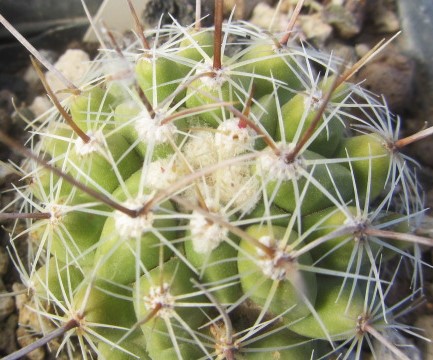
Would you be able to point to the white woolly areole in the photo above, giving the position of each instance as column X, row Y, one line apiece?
column 205, row 235
column 129, row 227
column 200, row 150
column 276, row 166
column 360, row 224
column 271, row 267
column 217, row 80
column 314, row 101
column 56, row 212
column 159, row 296
column 237, row 185
column 94, row 145
column 161, row 174
column 231, row 139
column 149, row 129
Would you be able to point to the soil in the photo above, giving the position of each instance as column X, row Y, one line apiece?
column 363, row 23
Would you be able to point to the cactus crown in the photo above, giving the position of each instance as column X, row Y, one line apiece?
column 197, row 202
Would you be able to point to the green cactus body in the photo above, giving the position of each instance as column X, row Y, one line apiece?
column 91, row 109
column 64, row 235
column 278, row 216
column 205, row 90
column 265, row 111
column 259, row 274
column 101, row 307
column 215, row 267
column 50, row 279
column 158, row 77
column 92, row 163
column 157, row 292
column 298, row 114
column 338, row 252
column 130, row 349
column 330, row 302
column 287, row 346
column 287, row 184
column 373, row 163
column 125, row 241
column 195, row 48
column 264, row 62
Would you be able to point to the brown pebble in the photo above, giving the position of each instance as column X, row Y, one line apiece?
column 4, row 261
column 7, row 335
column 391, row 74
column 346, row 18
column 7, row 306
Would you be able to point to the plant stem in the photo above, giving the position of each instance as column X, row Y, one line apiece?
column 138, row 26
column 218, row 20
column 71, row 324
column 55, row 100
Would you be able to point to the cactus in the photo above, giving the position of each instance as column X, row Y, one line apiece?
column 200, row 204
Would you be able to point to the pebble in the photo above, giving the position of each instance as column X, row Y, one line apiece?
column 40, row 105
column 7, row 333
column 29, row 319
column 7, row 305
column 4, row 261
column 390, row 74
column 385, row 20
column 262, row 15
column 243, row 8
column 73, row 64
column 346, row 17
column 315, row 28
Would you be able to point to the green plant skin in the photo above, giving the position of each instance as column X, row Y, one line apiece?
column 47, row 182
column 135, row 344
column 295, row 113
column 188, row 48
column 276, row 67
column 98, row 169
column 314, row 200
column 339, row 319
column 123, row 113
column 71, row 238
column 106, row 304
column 119, row 266
column 339, row 259
column 301, row 349
column 199, row 94
column 215, row 271
column 58, row 279
column 365, row 146
column 286, row 295
column 260, row 213
column 92, row 109
column 58, row 142
column 158, row 342
column 167, row 79
column 267, row 114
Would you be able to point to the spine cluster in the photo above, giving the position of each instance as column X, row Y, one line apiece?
column 219, row 193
